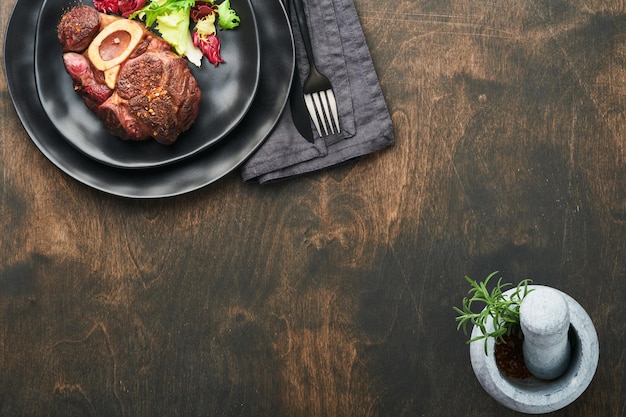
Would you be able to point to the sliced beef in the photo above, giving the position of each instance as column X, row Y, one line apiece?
column 87, row 82
column 154, row 96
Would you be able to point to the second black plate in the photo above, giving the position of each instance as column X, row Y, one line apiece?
column 227, row 93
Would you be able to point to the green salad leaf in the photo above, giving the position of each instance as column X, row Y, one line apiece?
column 157, row 8
column 174, row 28
column 228, row 18
column 171, row 19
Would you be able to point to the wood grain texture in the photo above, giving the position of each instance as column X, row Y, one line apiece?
column 331, row 294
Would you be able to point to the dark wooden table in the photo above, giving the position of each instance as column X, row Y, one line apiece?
column 331, row 294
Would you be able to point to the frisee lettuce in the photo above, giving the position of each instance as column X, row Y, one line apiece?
column 228, row 18
column 174, row 28
column 156, row 8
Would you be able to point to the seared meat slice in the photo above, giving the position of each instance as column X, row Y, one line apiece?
column 78, row 28
column 88, row 84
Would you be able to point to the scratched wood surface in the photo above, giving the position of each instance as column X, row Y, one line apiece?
column 332, row 294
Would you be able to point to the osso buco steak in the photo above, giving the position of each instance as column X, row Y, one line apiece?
column 128, row 76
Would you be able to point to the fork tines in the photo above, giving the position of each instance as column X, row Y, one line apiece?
column 323, row 110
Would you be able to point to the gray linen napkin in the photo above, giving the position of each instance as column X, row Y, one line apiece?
column 341, row 54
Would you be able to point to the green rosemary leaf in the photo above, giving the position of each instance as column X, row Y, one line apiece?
column 503, row 312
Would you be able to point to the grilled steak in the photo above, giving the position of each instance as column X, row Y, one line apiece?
column 128, row 76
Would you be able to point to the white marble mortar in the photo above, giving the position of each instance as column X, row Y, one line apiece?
column 534, row 395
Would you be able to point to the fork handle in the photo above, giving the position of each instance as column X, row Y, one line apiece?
column 304, row 30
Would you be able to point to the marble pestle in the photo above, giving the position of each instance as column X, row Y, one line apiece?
column 545, row 322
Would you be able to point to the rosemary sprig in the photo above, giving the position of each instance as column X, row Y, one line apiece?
column 504, row 310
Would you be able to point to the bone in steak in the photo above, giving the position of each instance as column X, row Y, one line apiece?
column 128, row 76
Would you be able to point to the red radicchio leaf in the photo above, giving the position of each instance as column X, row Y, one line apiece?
column 105, row 6
column 202, row 9
column 210, row 47
column 121, row 7
column 131, row 6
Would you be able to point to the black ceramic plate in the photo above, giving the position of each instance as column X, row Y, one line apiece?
column 227, row 93
column 277, row 63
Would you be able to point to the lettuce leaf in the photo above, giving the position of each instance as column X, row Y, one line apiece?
column 228, row 18
column 171, row 20
column 174, row 29
column 156, row 8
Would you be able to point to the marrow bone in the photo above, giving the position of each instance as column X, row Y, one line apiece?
column 112, row 46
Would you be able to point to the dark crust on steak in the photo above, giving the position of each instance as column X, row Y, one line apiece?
column 77, row 29
column 155, row 95
column 143, row 73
